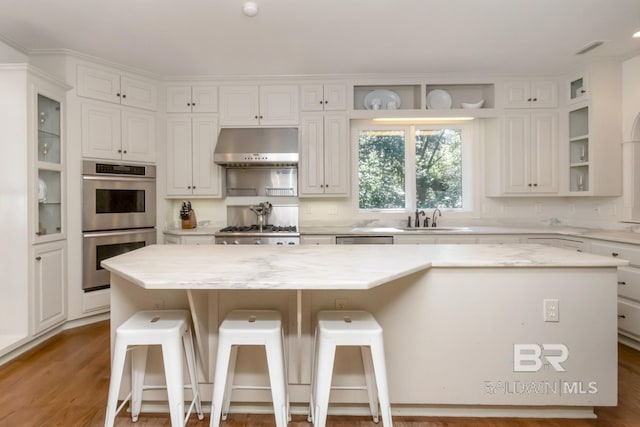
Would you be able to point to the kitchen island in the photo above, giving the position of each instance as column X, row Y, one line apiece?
column 469, row 329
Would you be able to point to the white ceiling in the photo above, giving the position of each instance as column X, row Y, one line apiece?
column 290, row 37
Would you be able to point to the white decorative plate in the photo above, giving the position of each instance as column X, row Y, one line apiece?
column 438, row 99
column 384, row 98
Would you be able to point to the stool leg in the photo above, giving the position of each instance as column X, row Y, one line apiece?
column 286, row 377
column 275, row 363
column 138, row 367
column 219, row 381
column 187, row 342
column 117, row 368
column 325, row 358
column 230, row 374
column 377, row 355
column 173, row 366
column 367, row 362
column 314, row 369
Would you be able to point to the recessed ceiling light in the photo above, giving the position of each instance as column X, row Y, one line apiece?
column 636, row 35
column 250, row 8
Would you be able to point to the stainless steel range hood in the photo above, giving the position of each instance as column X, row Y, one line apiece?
column 257, row 147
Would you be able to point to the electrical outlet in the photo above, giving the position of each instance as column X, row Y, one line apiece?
column 551, row 310
column 157, row 303
column 341, row 303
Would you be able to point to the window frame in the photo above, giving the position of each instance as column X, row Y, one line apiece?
column 470, row 187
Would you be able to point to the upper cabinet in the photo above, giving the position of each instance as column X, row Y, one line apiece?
column 530, row 153
column 110, row 86
column 594, row 139
column 577, row 88
column 327, row 97
column 192, row 99
column 114, row 133
column 271, row 105
column 191, row 141
column 324, row 155
column 531, row 94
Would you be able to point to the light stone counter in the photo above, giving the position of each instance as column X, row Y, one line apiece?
column 453, row 317
column 322, row 267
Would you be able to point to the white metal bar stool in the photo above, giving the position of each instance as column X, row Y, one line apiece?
column 250, row 327
column 171, row 330
column 348, row 328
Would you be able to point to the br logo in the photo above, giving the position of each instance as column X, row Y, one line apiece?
column 531, row 357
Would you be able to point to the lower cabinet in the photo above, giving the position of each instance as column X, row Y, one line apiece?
column 628, row 285
column 318, row 240
column 49, row 306
column 203, row 239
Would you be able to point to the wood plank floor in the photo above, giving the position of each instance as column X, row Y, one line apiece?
column 64, row 382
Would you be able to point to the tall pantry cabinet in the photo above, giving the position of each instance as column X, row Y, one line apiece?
column 32, row 204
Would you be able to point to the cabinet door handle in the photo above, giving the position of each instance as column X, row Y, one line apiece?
column 193, row 104
column 124, row 95
column 38, row 233
column 321, row 102
column 621, row 316
column 326, row 102
column 194, row 187
column 125, row 151
column 321, row 185
column 535, row 185
column 622, row 283
column 188, row 187
column 614, row 254
column 38, row 258
column 529, row 184
column 529, row 100
column 188, row 104
column 583, row 91
column 535, row 99
column 119, row 151
column 261, row 117
column 118, row 95
column 255, row 117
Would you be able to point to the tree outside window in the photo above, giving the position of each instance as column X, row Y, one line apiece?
column 430, row 158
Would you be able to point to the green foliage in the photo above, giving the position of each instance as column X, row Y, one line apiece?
column 381, row 171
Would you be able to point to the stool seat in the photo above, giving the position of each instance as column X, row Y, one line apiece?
column 171, row 330
column 348, row 328
column 250, row 327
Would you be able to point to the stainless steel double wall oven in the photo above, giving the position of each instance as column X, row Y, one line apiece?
column 119, row 215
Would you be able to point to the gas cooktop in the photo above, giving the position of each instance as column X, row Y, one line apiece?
column 269, row 228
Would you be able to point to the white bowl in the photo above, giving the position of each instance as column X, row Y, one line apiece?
column 472, row 106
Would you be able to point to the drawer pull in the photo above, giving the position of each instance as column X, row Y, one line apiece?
column 614, row 254
column 621, row 316
column 622, row 283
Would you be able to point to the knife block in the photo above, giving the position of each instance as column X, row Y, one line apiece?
column 191, row 222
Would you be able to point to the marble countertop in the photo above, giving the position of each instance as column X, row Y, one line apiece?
column 619, row 236
column 316, row 267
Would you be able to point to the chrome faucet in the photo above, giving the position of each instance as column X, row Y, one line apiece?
column 418, row 213
column 433, row 219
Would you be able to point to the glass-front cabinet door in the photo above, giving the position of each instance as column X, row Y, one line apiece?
column 49, row 160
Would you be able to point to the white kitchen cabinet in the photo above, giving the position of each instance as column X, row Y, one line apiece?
column 323, row 97
column 171, row 240
column 577, row 88
column 594, row 133
column 49, row 305
column 628, row 285
column 190, row 144
column 113, row 133
column 197, row 240
column 318, row 240
column 531, row 94
column 33, row 203
column 192, row 99
column 530, row 153
column 275, row 105
column 324, row 155
column 414, row 239
column 111, row 86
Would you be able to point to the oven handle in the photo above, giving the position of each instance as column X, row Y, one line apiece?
column 117, row 178
column 118, row 232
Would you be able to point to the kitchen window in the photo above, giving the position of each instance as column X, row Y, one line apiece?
column 423, row 166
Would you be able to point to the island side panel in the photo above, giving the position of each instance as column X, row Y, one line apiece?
column 450, row 335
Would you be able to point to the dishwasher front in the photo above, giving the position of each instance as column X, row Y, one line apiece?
column 364, row 240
